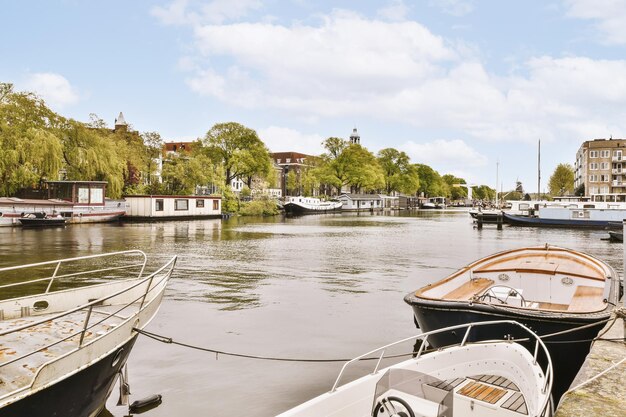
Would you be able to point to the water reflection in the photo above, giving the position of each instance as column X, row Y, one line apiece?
column 314, row 286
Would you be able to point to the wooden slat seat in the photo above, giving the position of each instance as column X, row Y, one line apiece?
column 482, row 392
column 587, row 299
column 469, row 289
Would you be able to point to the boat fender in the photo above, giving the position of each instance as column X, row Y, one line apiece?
column 145, row 404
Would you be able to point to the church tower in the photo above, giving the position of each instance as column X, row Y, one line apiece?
column 354, row 137
column 120, row 123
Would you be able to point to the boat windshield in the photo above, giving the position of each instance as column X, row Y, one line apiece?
column 403, row 387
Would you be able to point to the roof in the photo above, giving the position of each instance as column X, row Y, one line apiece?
column 4, row 201
column 361, row 196
column 120, row 120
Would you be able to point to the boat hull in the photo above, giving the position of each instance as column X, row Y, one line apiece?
column 82, row 394
column 51, row 222
column 296, row 209
column 567, row 358
column 514, row 220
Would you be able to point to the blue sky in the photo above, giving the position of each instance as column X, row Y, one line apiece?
column 457, row 84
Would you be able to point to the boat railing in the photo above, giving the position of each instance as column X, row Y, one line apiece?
column 155, row 283
column 539, row 346
column 141, row 264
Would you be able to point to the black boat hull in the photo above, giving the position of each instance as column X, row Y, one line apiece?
column 568, row 351
column 514, row 220
column 82, row 394
column 298, row 210
column 32, row 222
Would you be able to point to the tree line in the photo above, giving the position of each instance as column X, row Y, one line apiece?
column 37, row 144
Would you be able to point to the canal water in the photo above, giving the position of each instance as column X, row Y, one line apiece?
column 318, row 287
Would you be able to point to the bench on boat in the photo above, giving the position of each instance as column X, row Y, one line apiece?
column 587, row 299
column 468, row 290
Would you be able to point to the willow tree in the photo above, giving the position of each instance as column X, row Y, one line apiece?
column 400, row 175
column 90, row 154
column 30, row 148
column 238, row 150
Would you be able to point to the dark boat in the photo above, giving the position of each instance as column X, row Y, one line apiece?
column 308, row 205
column 616, row 236
column 41, row 219
column 516, row 220
column 67, row 328
column 548, row 289
column 489, row 216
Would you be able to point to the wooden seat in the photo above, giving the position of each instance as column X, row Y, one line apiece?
column 483, row 392
column 587, row 299
column 469, row 289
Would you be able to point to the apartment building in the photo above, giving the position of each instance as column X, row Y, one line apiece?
column 601, row 167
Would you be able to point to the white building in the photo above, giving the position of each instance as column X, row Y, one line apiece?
column 170, row 207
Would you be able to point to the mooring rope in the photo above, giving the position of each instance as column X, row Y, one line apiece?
column 169, row 340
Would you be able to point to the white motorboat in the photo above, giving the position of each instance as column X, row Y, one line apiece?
column 310, row 205
column 491, row 378
column 67, row 328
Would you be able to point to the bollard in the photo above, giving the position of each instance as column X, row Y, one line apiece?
column 479, row 220
column 499, row 220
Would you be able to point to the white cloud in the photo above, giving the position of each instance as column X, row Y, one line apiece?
column 53, row 88
column 283, row 139
column 395, row 10
column 401, row 72
column 180, row 12
column 609, row 17
column 453, row 7
column 446, row 155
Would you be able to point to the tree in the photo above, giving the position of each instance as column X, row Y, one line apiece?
column 431, row 183
column 332, row 168
column 30, row 147
column 153, row 151
column 484, row 192
column 363, row 172
column 456, row 193
column 562, row 180
column 238, row 149
column 580, row 190
column 182, row 173
column 399, row 174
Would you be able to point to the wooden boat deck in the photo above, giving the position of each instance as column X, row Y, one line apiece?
column 469, row 289
column 587, row 299
column 31, row 348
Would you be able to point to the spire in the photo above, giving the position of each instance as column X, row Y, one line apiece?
column 120, row 120
column 354, row 137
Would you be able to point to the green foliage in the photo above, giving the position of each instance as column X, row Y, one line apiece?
column 455, row 193
column 431, row 184
column 292, row 183
column 580, row 190
column 484, row 192
column 562, row 180
column 261, row 207
column 230, row 202
column 238, row 150
column 399, row 174
column 30, row 147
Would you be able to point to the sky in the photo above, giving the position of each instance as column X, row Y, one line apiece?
column 468, row 87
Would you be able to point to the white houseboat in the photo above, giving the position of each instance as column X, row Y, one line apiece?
column 361, row 202
column 76, row 201
column 172, row 207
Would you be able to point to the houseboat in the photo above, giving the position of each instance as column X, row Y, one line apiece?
column 172, row 207
column 361, row 202
column 76, row 201
column 578, row 217
column 564, row 295
column 309, row 205
column 490, row 378
column 67, row 328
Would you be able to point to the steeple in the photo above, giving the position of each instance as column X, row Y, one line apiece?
column 120, row 123
column 354, row 137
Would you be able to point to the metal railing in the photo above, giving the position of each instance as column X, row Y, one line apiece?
column 548, row 372
column 155, row 281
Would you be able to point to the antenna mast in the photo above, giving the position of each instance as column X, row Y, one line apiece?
column 539, row 172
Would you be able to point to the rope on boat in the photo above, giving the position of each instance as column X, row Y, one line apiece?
column 169, row 340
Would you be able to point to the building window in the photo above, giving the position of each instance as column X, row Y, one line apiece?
column 604, row 178
column 181, row 204
column 199, row 203
column 288, row 160
column 83, row 195
column 593, row 154
column 604, row 165
column 593, row 178
column 593, row 165
column 158, row 204
column 605, row 154
column 216, row 204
